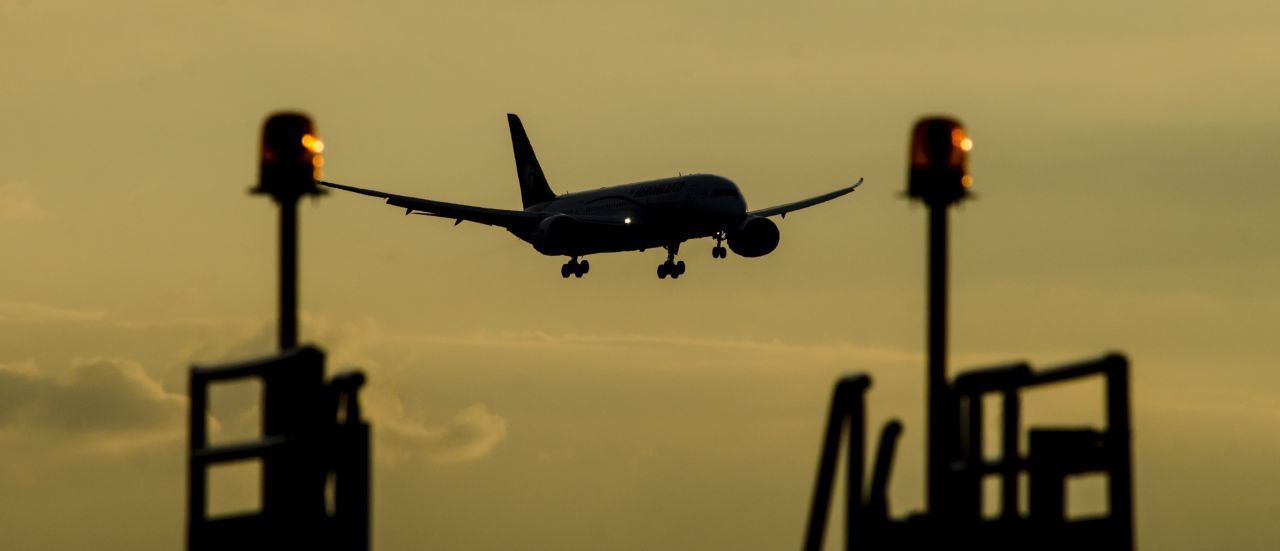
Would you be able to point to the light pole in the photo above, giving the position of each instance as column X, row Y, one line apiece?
column 291, row 163
column 939, row 176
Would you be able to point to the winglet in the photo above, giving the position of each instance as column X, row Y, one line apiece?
column 782, row 210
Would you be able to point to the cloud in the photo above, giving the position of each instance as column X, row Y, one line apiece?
column 17, row 203
column 473, row 433
column 98, row 395
column 243, row 339
column 110, row 404
column 834, row 351
column 30, row 312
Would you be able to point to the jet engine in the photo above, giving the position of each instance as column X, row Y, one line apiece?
column 756, row 236
column 555, row 234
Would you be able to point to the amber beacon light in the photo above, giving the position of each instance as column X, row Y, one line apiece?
column 939, row 169
column 292, row 157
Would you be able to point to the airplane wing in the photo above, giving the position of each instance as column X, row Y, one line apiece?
column 480, row 215
column 784, row 209
column 504, row 218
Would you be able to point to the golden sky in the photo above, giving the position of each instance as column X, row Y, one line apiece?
column 1124, row 165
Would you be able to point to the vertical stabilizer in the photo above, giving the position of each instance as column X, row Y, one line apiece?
column 533, row 184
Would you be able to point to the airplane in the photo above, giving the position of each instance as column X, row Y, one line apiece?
column 631, row 217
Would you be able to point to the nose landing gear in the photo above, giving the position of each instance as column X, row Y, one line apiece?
column 719, row 251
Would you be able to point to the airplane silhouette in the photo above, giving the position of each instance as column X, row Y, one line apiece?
column 632, row 217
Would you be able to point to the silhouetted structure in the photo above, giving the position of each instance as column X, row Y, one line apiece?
column 314, row 454
column 314, row 446
column 1054, row 453
column 956, row 467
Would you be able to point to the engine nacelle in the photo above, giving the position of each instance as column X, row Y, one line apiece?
column 555, row 235
column 757, row 236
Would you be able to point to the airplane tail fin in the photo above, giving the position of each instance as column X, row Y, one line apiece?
column 533, row 184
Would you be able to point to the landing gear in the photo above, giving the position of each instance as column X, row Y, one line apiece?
column 575, row 268
column 719, row 251
column 671, row 267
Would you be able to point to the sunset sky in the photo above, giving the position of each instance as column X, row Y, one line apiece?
column 1125, row 166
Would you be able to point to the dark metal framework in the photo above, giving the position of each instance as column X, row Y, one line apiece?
column 314, row 454
column 1054, row 454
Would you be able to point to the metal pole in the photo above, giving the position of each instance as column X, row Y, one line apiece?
column 939, row 177
column 1009, row 455
column 197, row 474
column 855, row 458
column 940, row 416
column 1119, row 435
column 288, row 272
column 848, row 398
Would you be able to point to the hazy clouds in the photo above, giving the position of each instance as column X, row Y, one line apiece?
column 471, row 434
column 1123, row 162
column 17, row 203
column 98, row 395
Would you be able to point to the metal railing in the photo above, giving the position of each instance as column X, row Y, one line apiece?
column 1054, row 454
column 312, row 436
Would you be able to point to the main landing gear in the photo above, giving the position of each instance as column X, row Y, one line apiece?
column 671, row 267
column 575, row 268
column 719, row 251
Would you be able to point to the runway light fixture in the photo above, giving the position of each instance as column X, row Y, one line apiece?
column 939, row 169
column 292, row 157
column 290, row 167
column 938, row 175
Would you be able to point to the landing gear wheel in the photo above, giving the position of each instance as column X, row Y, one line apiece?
column 719, row 252
column 676, row 269
column 671, row 267
column 575, row 268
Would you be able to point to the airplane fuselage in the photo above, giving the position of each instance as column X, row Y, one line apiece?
column 650, row 214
